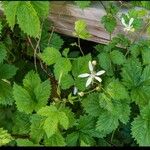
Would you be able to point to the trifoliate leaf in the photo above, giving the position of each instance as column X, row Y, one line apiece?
column 28, row 19
column 42, row 8
column 91, row 104
column 140, row 127
column 55, row 140
column 109, row 22
column 5, row 137
column 10, row 11
column 62, row 67
column 53, row 119
column 50, row 55
column 117, row 57
column 81, row 30
column 7, row 71
column 83, row 4
column 3, row 52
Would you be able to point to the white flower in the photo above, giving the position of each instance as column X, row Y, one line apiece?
column 93, row 75
column 129, row 26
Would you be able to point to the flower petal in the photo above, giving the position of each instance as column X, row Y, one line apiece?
column 100, row 72
column 88, row 82
column 123, row 22
column 131, row 21
column 98, row 79
column 84, row 75
column 90, row 66
column 75, row 90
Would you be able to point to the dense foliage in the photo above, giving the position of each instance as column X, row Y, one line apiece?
column 57, row 95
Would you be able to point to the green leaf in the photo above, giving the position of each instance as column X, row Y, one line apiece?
column 23, row 99
column 50, row 55
column 146, row 55
column 24, row 142
column 140, row 127
column 6, row 96
column 131, row 73
column 55, row 140
column 56, row 41
column 109, row 22
column 81, row 30
column 54, row 117
column 37, row 132
column 5, row 137
column 117, row 57
column 10, row 11
column 21, row 123
column 7, row 71
column 35, row 93
column 117, row 90
column 42, row 8
column 105, row 62
column 28, row 19
column 3, row 52
column 92, row 105
column 83, row 4
column 66, row 81
column 65, row 52
column 72, row 139
column 145, row 77
column 62, row 67
column 106, row 123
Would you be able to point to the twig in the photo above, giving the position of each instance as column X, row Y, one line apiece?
column 80, row 46
column 51, row 34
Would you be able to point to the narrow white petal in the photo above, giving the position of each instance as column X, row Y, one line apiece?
column 90, row 66
column 123, row 22
column 131, row 21
column 88, row 82
column 100, row 72
column 98, row 79
column 75, row 90
column 84, row 75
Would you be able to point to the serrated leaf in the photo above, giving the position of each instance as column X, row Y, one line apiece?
column 55, row 140
column 63, row 120
column 5, row 137
column 117, row 57
column 145, row 77
column 6, row 96
column 81, row 30
column 3, row 52
column 22, row 99
column 10, row 10
column 140, row 127
column 24, row 142
column 66, row 81
column 83, row 4
column 62, row 67
column 28, row 19
column 42, row 8
column 106, row 123
column 92, row 105
column 109, row 22
column 131, row 73
column 21, row 123
column 65, row 52
column 72, row 139
column 146, row 55
column 50, row 55
column 117, row 91
column 105, row 62
column 7, row 71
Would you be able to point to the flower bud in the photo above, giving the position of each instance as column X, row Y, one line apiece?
column 94, row 62
column 81, row 94
column 97, row 88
